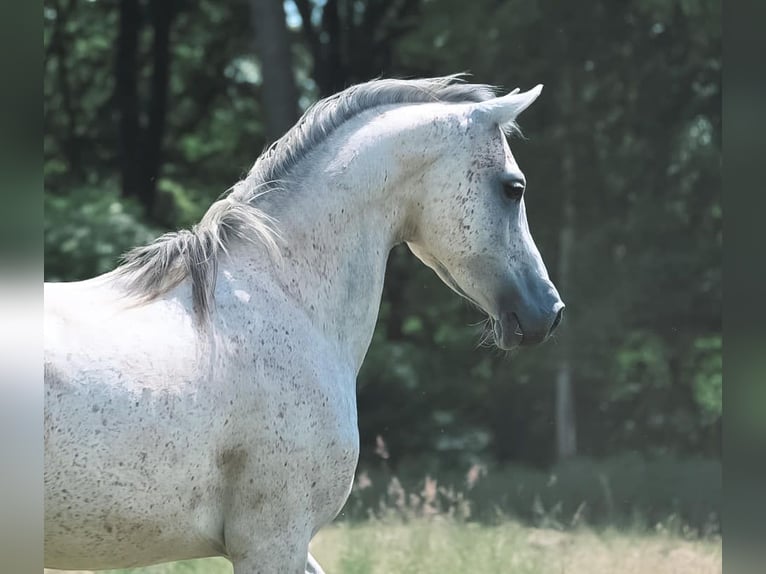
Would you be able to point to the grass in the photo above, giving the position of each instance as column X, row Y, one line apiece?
column 625, row 514
column 444, row 546
column 628, row 492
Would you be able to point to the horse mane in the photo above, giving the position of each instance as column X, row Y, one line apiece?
column 152, row 270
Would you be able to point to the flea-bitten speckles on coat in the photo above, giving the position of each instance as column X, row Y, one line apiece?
column 201, row 400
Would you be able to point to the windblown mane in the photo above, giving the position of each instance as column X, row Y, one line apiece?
column 149, row 271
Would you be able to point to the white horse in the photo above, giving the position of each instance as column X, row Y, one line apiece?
column 200, row 399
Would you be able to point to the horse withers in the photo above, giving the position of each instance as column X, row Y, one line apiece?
column 200, row 398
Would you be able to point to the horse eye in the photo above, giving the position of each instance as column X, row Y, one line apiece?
column 514, row 190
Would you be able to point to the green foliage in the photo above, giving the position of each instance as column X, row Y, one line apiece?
column 708, row 379
column 632, row 97
column 87, row 230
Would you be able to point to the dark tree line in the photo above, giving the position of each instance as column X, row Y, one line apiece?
column 154, row 107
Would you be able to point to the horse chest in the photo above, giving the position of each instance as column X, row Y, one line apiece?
column 295, row 440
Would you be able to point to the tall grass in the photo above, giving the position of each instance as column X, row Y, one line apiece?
column 626, row 492
column 442, row 545
column 626, row 514
column 446, row 546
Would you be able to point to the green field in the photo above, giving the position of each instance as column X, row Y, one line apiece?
column 444, row 546
column 620, row 515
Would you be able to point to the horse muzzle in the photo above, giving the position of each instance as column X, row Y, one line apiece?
column 528, row 323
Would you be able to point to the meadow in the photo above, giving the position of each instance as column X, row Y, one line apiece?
column 446, row 546
column 626, row 515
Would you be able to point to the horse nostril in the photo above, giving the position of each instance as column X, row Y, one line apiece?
column 557, row 320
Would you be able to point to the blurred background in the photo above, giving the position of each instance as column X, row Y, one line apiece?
column 155, row 107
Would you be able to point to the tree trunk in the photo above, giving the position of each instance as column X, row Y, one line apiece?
column 162, row 17
column 272, row 43
column 58, row 46
column 566, row 428
column 126, row 95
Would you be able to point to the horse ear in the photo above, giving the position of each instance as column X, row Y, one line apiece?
column 505, row 109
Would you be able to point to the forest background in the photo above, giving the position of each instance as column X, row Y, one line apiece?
column 153, row 108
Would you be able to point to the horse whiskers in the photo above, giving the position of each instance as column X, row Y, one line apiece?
column 487, row 334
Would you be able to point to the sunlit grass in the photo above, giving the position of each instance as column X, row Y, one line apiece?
column 444, row 546
column 623, row 515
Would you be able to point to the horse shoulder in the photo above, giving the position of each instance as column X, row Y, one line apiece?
column 296, row 396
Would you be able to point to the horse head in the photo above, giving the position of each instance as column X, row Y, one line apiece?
column 471, row 225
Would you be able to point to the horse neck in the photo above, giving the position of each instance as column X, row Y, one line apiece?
column 339, row 220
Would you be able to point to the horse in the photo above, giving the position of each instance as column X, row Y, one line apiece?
column 200, row 398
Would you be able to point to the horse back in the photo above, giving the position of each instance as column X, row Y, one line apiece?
column 126, row 465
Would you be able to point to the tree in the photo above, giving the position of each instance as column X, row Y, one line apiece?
column 280, row 97
column 622, row 157
column 353, row 42
column 141, row 145
column 566, row 426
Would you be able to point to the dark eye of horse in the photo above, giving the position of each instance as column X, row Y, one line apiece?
column 513, row 190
